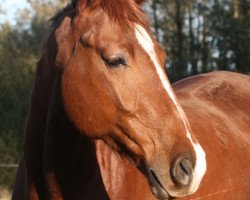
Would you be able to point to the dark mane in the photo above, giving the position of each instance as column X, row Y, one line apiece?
column 69, row 10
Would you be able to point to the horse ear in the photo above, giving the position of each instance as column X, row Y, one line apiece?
column 81, row 4
column 140, row 2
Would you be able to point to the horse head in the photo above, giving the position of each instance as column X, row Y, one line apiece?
column 114, row 88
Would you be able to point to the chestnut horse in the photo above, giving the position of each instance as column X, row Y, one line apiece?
column 104, row 122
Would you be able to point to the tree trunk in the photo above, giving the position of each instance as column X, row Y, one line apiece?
column 155, row 19
column 179, row 24
column 236, row 8
column 192, row 58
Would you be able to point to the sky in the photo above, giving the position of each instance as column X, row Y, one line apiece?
column 10, row 9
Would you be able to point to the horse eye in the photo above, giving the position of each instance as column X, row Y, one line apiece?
column 115, row 62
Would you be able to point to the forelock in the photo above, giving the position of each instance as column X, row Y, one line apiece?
column 125, row 13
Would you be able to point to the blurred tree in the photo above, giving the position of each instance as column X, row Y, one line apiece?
column 240, row 38
column 236, row 8
column 16, row 72
column 203, row 35
column 172, row 26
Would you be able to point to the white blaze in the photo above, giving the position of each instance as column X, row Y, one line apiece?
column 147, row 44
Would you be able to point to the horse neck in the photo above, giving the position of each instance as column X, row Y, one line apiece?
column 36, row 125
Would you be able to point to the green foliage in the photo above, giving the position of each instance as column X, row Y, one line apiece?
column 16, row 74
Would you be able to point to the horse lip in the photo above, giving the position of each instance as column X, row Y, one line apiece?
column 156, row 186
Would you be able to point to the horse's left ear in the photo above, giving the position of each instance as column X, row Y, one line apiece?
column 140, row 2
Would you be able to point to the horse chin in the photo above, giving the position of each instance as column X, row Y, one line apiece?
column 156, row 187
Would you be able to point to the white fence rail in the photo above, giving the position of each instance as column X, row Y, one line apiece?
column 8, row 165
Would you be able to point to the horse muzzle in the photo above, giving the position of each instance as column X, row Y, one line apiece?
column 172, row 181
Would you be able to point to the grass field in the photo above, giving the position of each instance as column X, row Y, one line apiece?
column 4, row 194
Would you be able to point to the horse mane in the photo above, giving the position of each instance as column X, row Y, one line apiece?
column 123, row 12
column 59, row 16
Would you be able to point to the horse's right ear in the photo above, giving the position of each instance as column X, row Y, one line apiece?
column 81, row 4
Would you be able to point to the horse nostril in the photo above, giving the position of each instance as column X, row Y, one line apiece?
column 182, row 171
